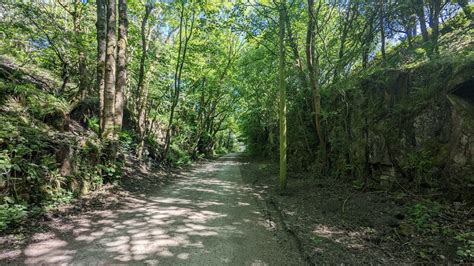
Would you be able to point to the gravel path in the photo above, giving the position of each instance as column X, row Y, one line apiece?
column 208, row 217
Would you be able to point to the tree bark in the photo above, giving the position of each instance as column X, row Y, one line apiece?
column 121, row 65
column 101, row 26
column 420, row 13
column 282, row 94
column 382, row 29
column 109, row 90
column 436, row 10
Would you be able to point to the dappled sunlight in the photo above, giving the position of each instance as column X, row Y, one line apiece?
column 182, row 222
column 353, row 239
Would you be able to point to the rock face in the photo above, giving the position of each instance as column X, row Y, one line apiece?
column 413, row 127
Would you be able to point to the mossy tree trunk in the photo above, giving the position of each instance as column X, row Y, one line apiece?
column 101, row 26
column 108, row 117
column 282, row 92
column 121, row 65
column 435, row 10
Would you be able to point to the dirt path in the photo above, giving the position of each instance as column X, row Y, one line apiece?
column 209, row 217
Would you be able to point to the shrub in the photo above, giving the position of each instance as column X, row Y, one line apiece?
column 11, row 215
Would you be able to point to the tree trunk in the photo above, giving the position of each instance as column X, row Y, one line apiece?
column 346, row 27
column 121, row 65
column 178, row 71
column 294, row 48
column 282, row 105
column 82, row 68
column 312, row 62
column 382, row 30
column 83, row 81
column 109, row 90
column 142, row 89
column 436, row 9
column 101, row 46
column 420, row 13
column 409, row 36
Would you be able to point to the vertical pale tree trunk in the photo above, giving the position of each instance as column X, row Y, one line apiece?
column 121, row 65
column 101, row 26
column 142, row 89
column 109, row 90
column 282, row 104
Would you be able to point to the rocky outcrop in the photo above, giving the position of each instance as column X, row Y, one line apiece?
column 411, row 127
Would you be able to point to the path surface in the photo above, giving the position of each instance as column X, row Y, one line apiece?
column 209, row 217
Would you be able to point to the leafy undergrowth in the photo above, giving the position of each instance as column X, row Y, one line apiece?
column 336, row 223
column 46, row 159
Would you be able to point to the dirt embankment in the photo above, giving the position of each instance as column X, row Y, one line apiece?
column 336, row 223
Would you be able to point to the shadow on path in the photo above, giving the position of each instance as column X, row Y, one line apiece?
column 207, row 218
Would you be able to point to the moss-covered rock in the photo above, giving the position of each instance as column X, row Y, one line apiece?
column 409, row 126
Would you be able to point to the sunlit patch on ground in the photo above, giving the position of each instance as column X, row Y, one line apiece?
column 349, row 239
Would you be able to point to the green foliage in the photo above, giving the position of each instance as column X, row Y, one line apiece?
column 422, row 214
column 32, row 146
column 466, row 250
column 94, row 124
column 11, row 214
column 420, row 165
column 178, row 157
column 110, row 171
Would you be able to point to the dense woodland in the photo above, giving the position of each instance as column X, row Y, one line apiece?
column 377, row 95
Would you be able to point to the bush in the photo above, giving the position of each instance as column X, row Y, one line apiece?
column 178, row 157
column 11, row 215
column 421, row 214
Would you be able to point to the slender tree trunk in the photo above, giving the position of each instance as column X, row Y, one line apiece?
column 420, row 13
column 382, row 29
column 294, row 48
column 292, row 42
column 183, row 46
column 83, row 81
column 142, row 89
column 82, row 68
column 436, row 10
column 101, row 26
column 282, row 104
column 121, row 81
column 312, row 62
column 176, row 86
column 346, row 27
column 409, row 36
column 109, row 90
